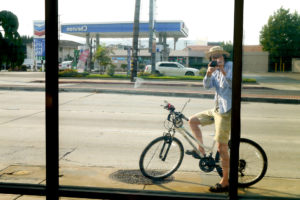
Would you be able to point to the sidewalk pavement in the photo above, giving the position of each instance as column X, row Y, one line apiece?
column 192, row 182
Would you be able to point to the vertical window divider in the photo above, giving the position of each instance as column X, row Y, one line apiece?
column 236, row 97
column 52, row 119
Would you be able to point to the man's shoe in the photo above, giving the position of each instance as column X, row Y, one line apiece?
column 192, row 153
column 219, row 188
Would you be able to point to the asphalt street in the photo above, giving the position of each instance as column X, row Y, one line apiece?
column 103, row 134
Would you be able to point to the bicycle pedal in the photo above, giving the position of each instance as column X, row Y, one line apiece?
column 192, row 153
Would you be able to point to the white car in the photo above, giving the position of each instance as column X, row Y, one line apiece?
column 172, row 69
column 65, row 65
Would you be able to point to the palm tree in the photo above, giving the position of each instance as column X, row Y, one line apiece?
column 135, row 39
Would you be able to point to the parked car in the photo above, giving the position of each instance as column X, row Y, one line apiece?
column 39, row 65
column 29, row 63
column 172, row 69
column 65, row 65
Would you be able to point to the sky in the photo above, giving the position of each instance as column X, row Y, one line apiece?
column 207, row 20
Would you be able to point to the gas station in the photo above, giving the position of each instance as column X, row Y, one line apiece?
column 163, row 30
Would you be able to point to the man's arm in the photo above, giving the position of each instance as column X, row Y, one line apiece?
column 227, row 75
column 208, row 79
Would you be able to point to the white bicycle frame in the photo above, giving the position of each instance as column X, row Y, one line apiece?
column 185, row 134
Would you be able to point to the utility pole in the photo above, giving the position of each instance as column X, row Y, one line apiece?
column 136, row 27
column 152, row 37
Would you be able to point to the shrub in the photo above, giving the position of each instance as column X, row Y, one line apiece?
column 144, row 74
column 202, row 71
column 249, row 80
column 110, row 70
column 71, row 73
column 141, row 67
column 124, row 67
column 23, row 68
column 198, row 65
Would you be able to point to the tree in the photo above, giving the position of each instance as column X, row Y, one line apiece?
column 27, row 39
column 227, row 46
column 102, row 55
column 11, row 50
column 281, row 37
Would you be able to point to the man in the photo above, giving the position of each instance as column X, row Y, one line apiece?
column 220, row 78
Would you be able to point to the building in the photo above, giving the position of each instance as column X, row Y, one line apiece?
column 255, row 60
column 66, row 50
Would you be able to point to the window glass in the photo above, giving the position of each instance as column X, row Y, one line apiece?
column 105, row 122
column 22, row 96
column 271, row 50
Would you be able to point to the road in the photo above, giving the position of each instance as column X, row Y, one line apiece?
column 111, row 130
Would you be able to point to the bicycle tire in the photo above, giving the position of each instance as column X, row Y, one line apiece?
column 151, row 161
column 253, row 163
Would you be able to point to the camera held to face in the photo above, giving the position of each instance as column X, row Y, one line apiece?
column 213, row 63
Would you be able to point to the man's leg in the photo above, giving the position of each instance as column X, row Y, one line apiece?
column 194, row 123
column 223, row 150
column 222, row 125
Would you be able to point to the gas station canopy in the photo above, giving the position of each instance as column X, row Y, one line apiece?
column 173, row 29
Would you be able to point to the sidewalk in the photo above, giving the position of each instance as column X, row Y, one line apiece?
column 190, row 182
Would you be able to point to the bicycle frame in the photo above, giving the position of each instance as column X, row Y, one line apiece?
column 187, row 135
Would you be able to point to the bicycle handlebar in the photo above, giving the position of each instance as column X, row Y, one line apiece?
column 171, row 108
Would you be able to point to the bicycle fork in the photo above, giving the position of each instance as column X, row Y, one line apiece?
column 168, row 142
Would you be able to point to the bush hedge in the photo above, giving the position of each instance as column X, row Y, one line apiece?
column 74, row 73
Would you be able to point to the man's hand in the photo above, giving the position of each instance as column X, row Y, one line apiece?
column 210, row 70
column 221, row 68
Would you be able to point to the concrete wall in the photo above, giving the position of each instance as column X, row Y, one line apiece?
column 255, row 62
column 29, row 51
column 296, row 65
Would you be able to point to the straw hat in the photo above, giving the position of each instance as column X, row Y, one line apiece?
column 216, row 50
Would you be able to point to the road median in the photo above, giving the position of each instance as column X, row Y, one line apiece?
column 266, row 98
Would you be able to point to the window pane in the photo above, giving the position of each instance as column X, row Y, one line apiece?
column 22, row 97
column 271, row 45
column 105, row 124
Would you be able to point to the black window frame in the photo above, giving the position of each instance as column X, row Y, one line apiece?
column 52, row 190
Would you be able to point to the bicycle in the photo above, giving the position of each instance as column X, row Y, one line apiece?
column 163, row 156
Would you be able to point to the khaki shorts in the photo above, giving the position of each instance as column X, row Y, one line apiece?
column 222, row 123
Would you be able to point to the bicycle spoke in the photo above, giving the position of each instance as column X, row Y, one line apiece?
column 152, row 156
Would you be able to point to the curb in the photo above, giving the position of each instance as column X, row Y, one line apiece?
column 244, row 98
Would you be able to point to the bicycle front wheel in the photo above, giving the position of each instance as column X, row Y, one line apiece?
column 253, row 163
column 161, row 158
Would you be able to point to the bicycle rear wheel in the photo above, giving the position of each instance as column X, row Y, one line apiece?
column 253, row 163
column 161, row 158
